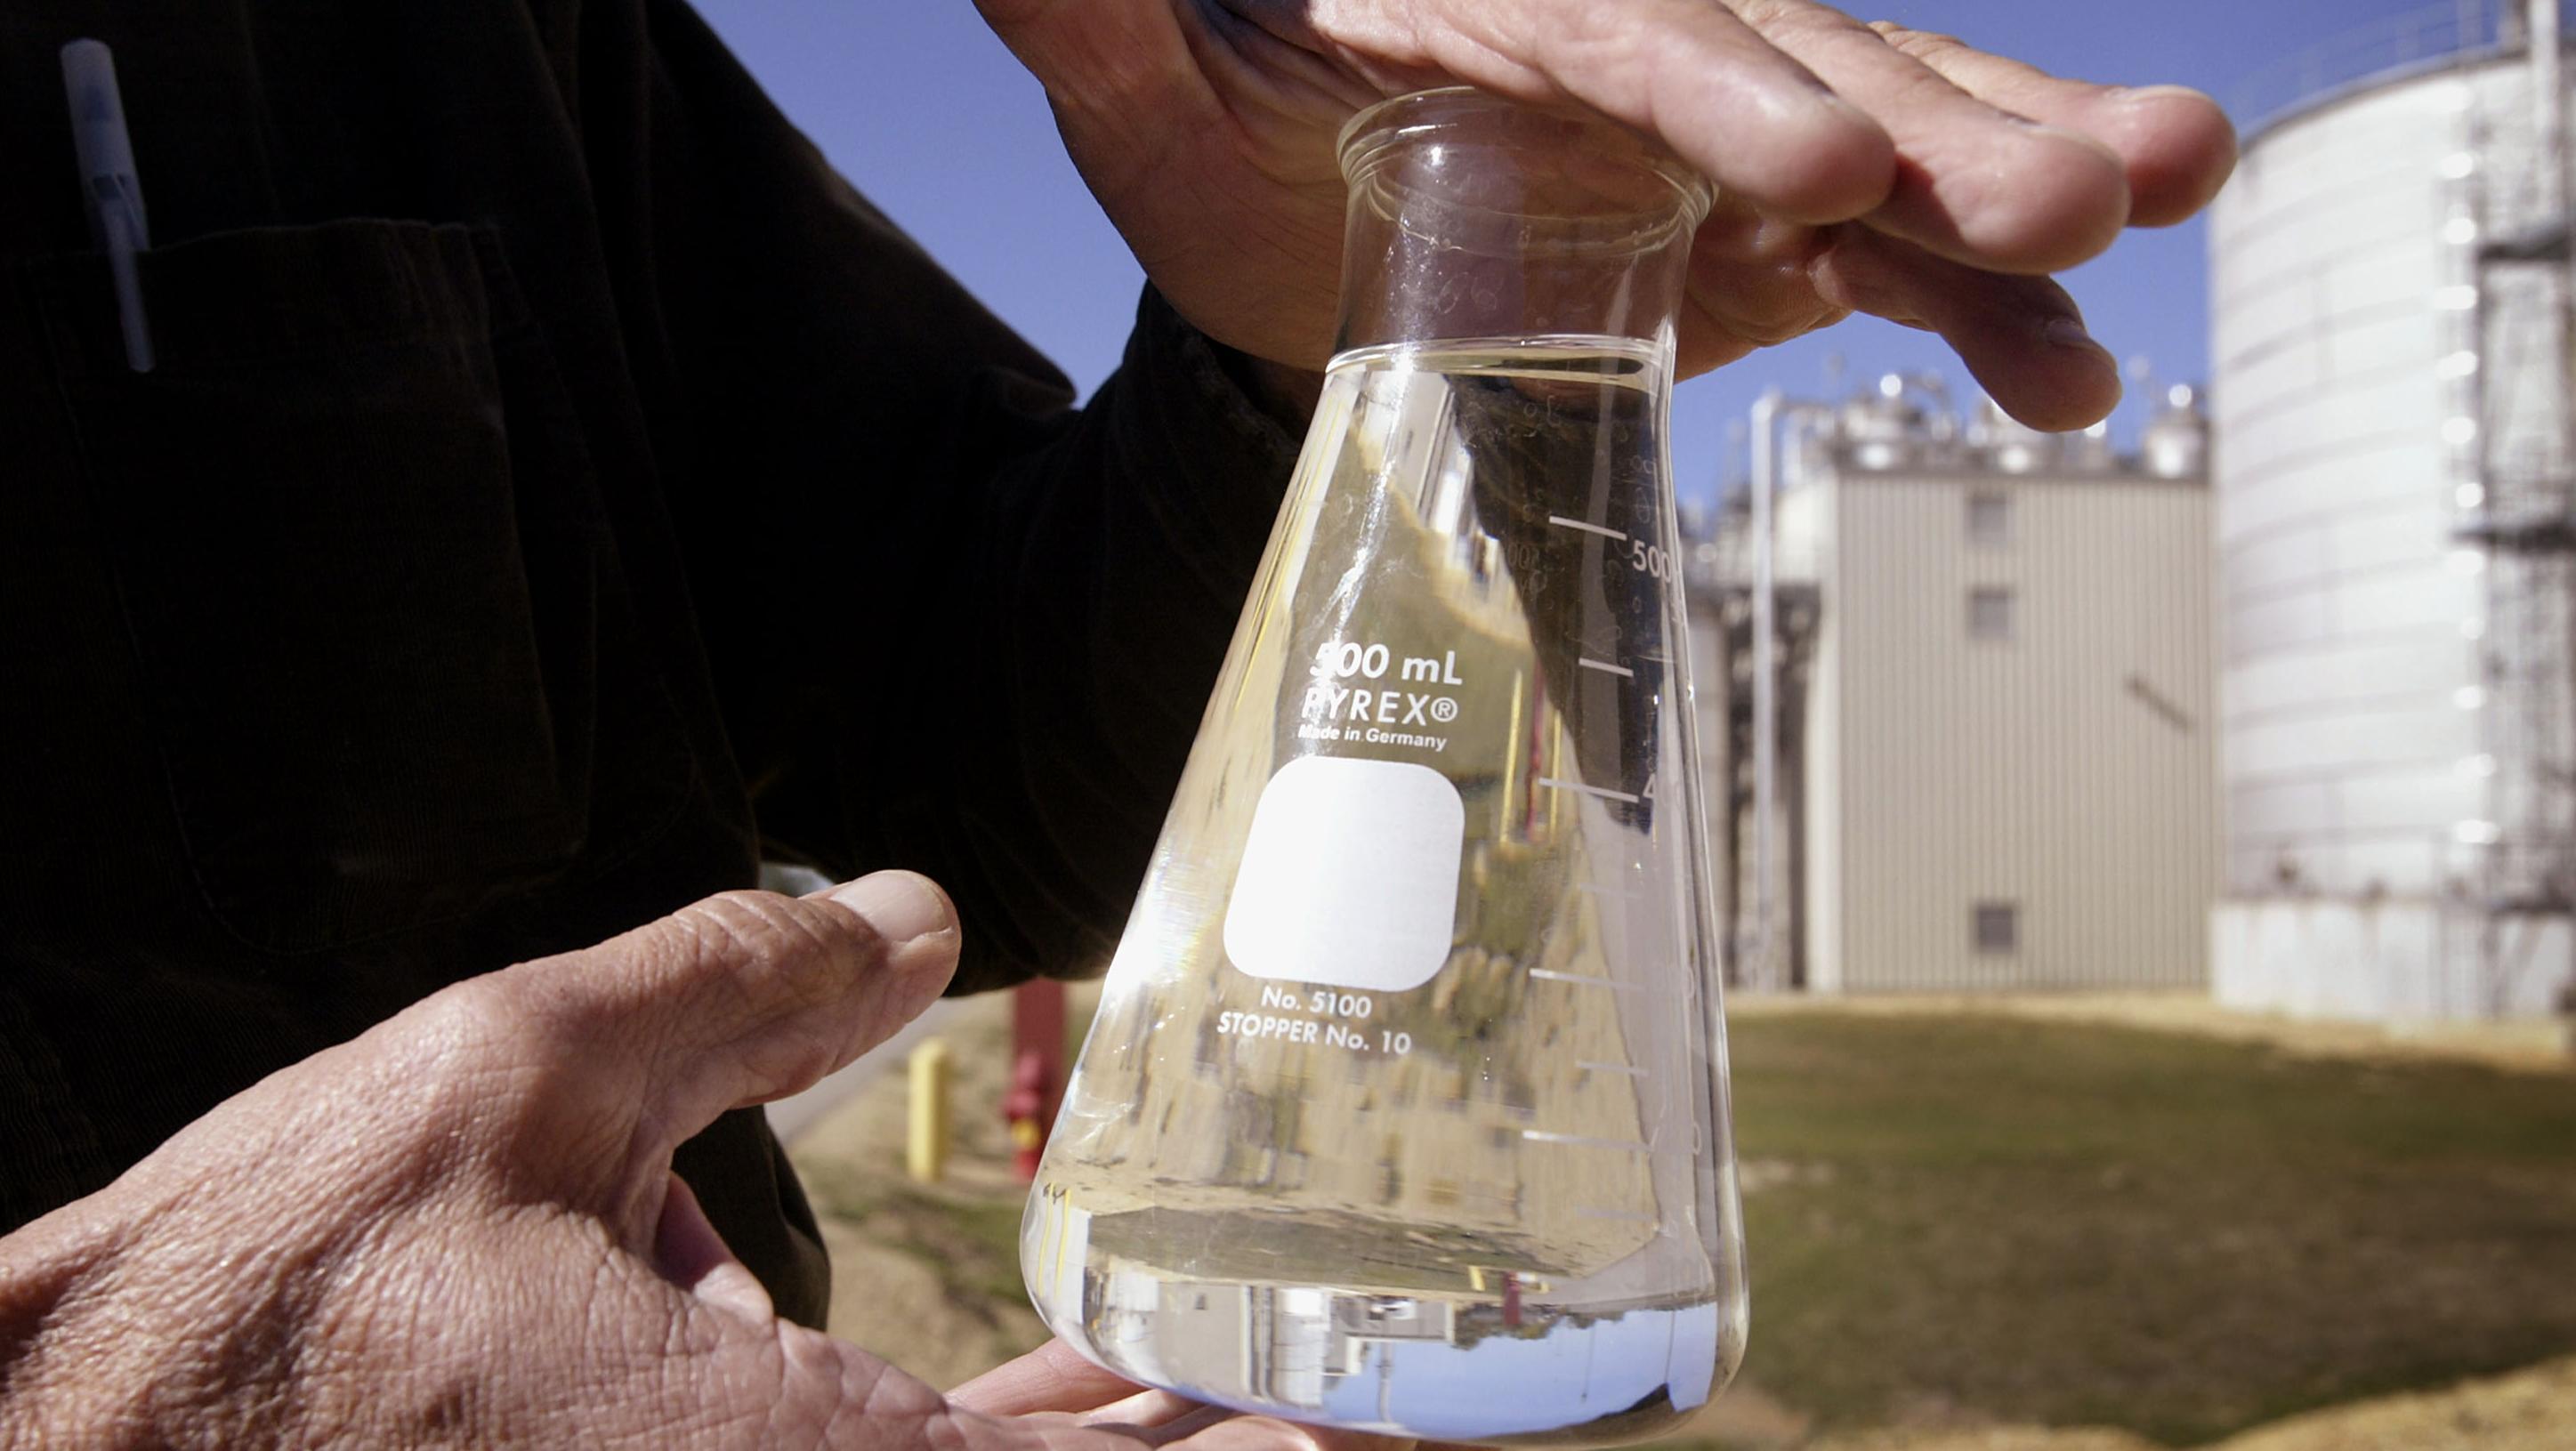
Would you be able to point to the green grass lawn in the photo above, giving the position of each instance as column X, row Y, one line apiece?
column 2036, row 1222
column 2062, row 1224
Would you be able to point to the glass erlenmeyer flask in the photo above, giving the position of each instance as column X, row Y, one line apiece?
column 1405, row 1106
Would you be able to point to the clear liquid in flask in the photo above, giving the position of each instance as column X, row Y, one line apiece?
column 1404, row 1105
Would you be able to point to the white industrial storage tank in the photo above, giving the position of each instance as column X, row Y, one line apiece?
column 2389, row 385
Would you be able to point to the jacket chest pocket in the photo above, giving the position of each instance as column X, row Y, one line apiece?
column 357, row 543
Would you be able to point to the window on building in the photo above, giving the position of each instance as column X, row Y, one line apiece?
column 1998, row 927
column 1990, row 612
column 1989, row 518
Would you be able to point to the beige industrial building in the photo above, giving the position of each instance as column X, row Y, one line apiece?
column 1996, row 763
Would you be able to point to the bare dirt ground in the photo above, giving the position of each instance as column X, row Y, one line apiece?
column 2529, row 1410
column 926, row 1275
column 2537, row 1045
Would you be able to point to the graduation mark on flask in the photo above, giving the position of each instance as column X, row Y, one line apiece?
column 1582, row 979
column 1586, row 1141
column 1645, row 558
column 1604, row 792
column 1606, row 532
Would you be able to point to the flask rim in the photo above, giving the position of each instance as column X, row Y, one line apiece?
column 1417, row 115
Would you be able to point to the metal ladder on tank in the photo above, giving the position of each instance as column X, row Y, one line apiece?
column 2516, row 520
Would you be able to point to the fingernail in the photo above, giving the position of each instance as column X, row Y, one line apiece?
column 901, row 906
column 2141, row 95
column 2067, row 332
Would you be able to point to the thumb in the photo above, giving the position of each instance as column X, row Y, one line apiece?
column 733, row 1001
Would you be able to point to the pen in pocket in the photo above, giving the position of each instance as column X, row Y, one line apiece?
column 115, row 195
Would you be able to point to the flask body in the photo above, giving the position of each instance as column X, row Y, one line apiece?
column 1405, row 1106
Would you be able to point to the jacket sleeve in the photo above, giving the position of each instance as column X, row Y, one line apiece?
column 957, row 624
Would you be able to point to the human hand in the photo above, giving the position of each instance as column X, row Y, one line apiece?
column 1053, row 1387
column 1859, row 168
column 462, row 1227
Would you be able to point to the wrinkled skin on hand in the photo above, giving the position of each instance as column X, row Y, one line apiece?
column 462, row 1228
column 1860, row 168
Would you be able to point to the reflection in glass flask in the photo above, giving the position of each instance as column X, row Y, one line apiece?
column 1405, row 1103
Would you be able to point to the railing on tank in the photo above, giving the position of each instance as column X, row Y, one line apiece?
column 2431, row 38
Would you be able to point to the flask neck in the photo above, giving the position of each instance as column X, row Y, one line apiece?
column 1473, row 217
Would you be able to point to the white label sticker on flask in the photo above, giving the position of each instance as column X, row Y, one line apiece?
column 1350, row 877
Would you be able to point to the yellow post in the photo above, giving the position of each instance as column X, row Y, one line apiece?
column 926, row 1148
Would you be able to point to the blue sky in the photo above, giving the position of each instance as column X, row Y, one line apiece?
column 924, row 109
